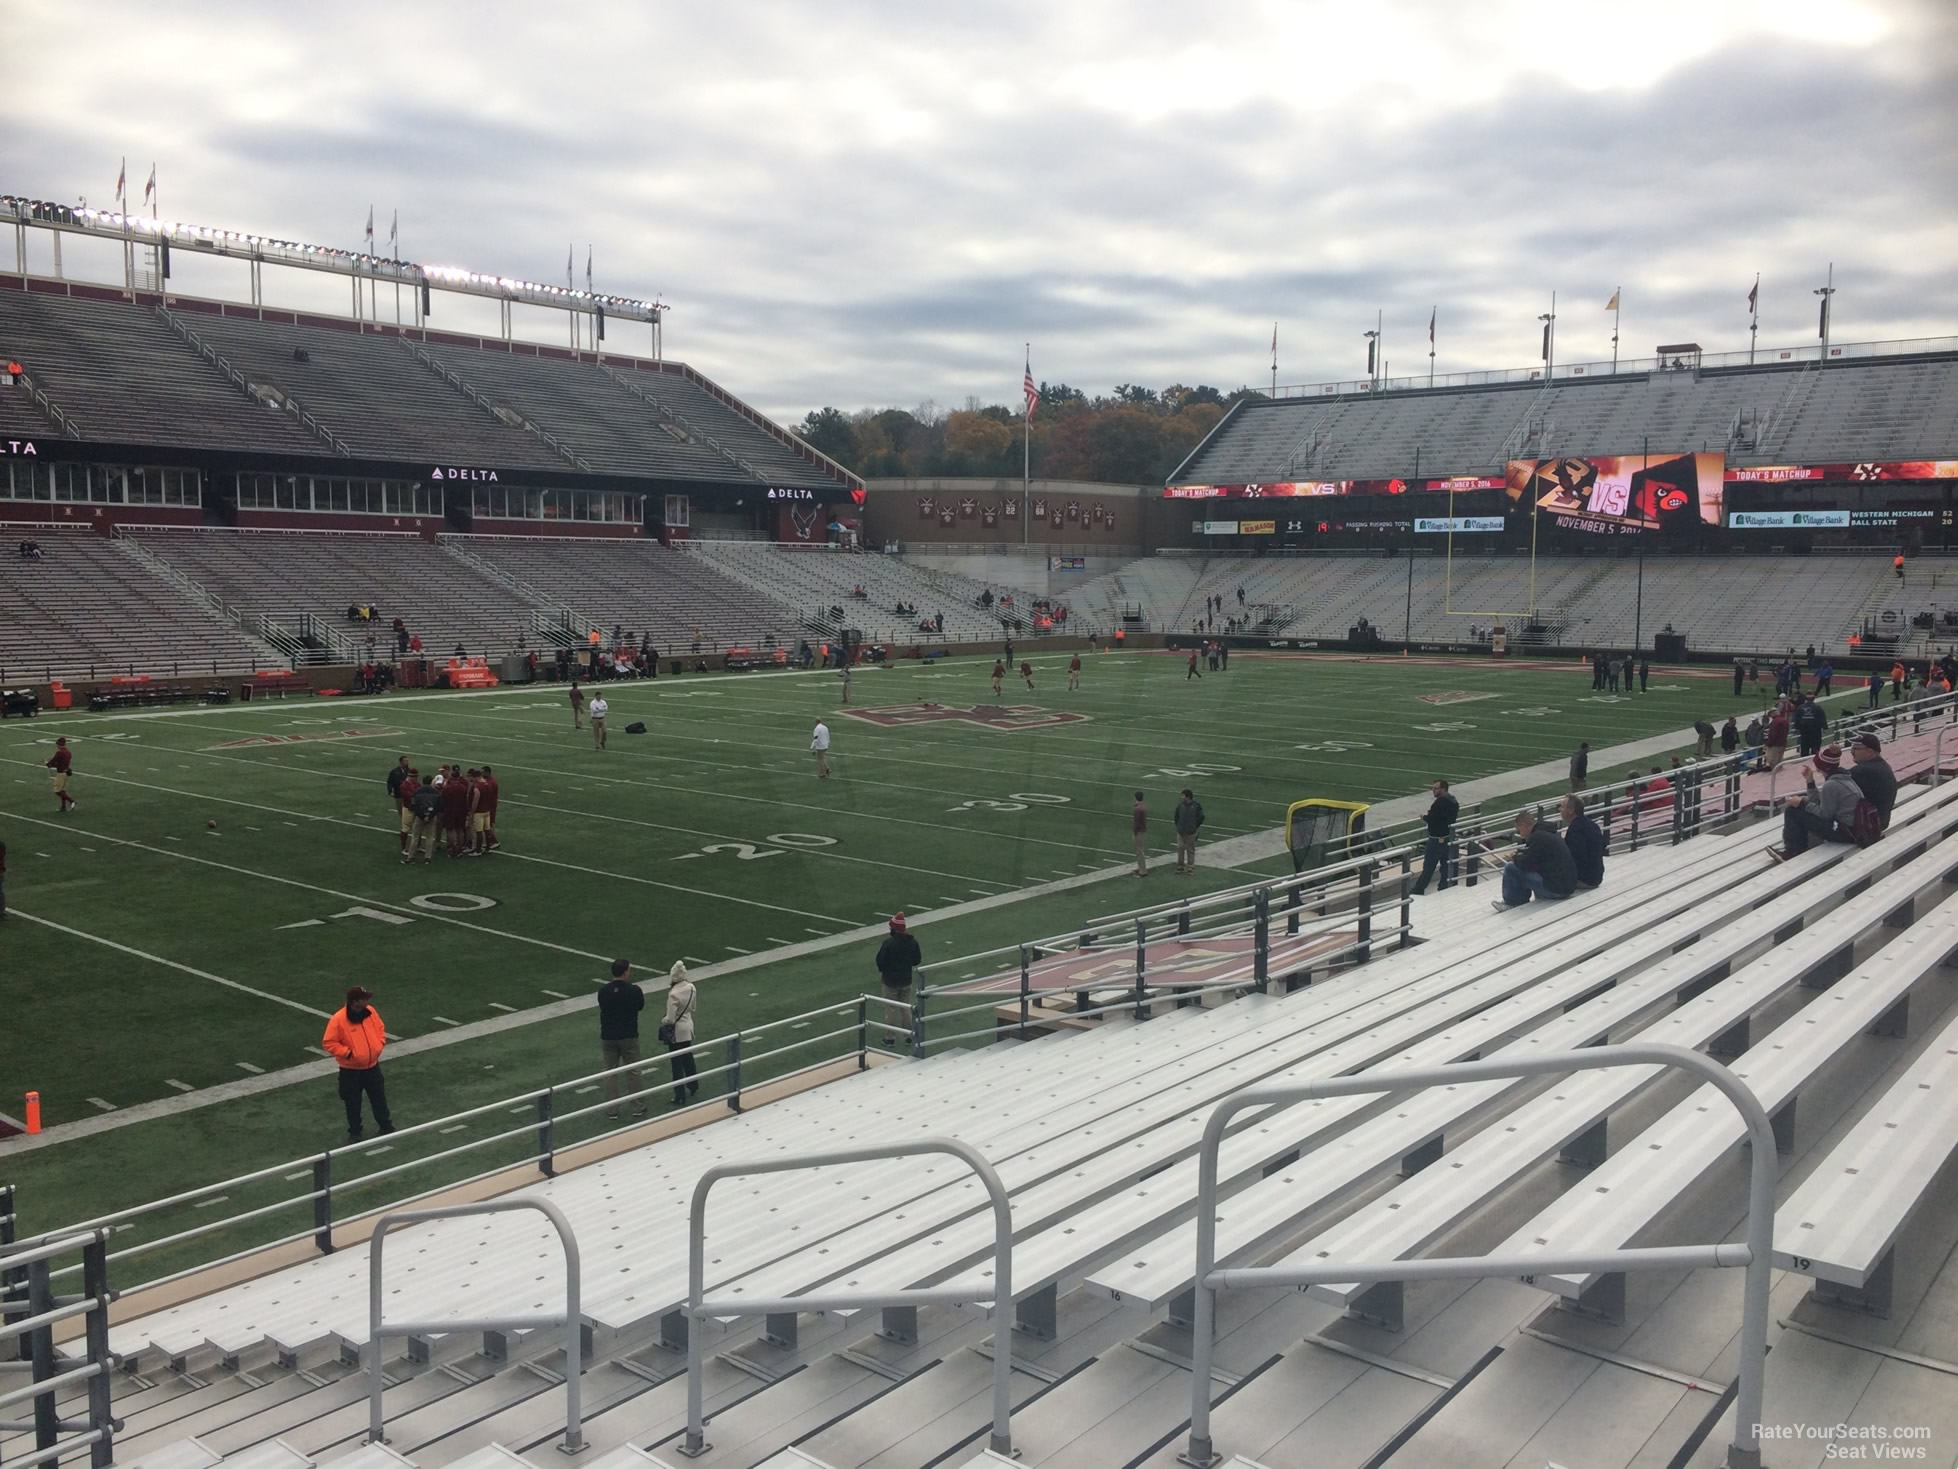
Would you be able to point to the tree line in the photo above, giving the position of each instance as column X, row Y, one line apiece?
column 1134, row 435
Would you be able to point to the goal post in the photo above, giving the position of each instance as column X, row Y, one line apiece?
column 1318, row 831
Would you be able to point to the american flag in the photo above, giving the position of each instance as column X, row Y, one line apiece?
column 1033, row 393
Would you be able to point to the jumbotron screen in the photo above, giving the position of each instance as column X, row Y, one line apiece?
column 1621, row 494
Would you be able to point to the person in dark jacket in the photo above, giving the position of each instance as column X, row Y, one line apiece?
column 1580, row 765
column 1440, row 821
column 1824, row 813
column 1644, row 673
column 1541, row 867
column 1729, row 736
column 1187, row 818
column 897, row 957
column 1873, row 775
column 1703, row 729
column 1585, row 841
column 619, row 1004
column 1810, row 724
column 1739, row 670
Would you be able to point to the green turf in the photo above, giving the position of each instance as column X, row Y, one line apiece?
column 680, row 843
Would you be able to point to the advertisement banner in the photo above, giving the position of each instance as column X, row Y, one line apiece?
column 1786, row 519
column 1219, row 527
column 1621, row 494
column 1459, row 524
column 1869, row 470
column 1257, row 527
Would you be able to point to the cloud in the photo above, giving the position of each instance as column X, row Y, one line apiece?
column 873, row 202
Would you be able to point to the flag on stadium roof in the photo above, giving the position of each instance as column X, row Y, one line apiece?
column 1433, row 311
column 1753, row 295
column 149, row 189
column 370, row 229
column 122, row 179
column 1033, row 393
column 1612, row 304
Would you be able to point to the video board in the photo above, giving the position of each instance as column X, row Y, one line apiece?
column 1620, row 494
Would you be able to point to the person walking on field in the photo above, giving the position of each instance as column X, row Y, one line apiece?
column 1611, row 674
column 355, row 1037
column 1074, row 672
column 819, row 747
column 897, row 959
column 1440, row 821
column 62, row 763
column 1644, row 673
column 619, row 1004
column 1193, row 667
column 1139, row 824
column 1774, row 740
column 676, row 1032
column 577, row 706
column 1188, row 820
column 1580, row 765
column 599, row 709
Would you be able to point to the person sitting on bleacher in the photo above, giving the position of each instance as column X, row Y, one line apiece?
column 1541, row 867
column 1825, row 813
column 1873, row 775
column 30, row 550
column 1585, row 841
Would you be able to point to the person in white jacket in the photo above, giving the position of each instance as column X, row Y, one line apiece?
column 819, row 746
column 677, row 1031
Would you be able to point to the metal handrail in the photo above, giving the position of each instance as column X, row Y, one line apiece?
column 27, row 1281
column 570, row 1320
column 699, row 1309
column 1756, row 1256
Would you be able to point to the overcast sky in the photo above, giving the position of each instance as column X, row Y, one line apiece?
column 868, row 202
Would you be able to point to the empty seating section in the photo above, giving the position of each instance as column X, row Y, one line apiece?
column 1861, row 409
column 124, row 376
column 814, row 580
column 20, row 416
column 286, row 575
column 1787, row 969
column 88, row 607
column 777, row 463
column 586, row 410
column 369, row 392
column 675, row 598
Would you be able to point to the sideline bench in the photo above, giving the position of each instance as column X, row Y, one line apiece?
column 1841, row 1225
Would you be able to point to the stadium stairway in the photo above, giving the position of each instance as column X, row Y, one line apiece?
column 1095, row 1136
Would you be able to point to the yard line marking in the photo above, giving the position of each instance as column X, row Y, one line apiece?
column 519, row 1111
column 295, row 1177
column 819, row 932
column 209, row 1203
column 251, row 828
column 98, row 1102
column 231, row 984
column 499, row 1005
column 247, row 1066
column 182, row 1086
column 304, row 923
column 459, row 1127
column 981, row 892
column 557, row 994
column 732, row 950
column 168, row 838
column 331, row 892
column 47, row 855
column 693, row 959
column 383, row 1148
column 583, row 1089
column 782, row 942
column 292, row 823
column 445, row 1020
column 316, row 1050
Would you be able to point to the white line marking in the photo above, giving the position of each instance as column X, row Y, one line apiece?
column 305, row 923
column 583, row 1089
column 445, row 1020
column 557, row 994
column 247, row 1066
column 821, row 933
column 295, row 1177
column 230, row 984
column 98, row 1102
column 693, row 959
column 783, row 943
column 213, row 1201
column 732, row 950
column 459, row 1127
column 169, row 838
column 499, row 1005
column 383, row 1148
column 88, row 849
column 316, row 1050
column 182, row 1086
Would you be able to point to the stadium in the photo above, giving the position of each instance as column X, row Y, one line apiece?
column 1236, row 1104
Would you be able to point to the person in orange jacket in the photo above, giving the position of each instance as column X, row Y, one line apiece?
column 355, row 1037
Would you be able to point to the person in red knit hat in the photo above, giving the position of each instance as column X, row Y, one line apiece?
column 897, row 957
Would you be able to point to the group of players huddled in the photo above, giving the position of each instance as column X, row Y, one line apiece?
column 456, row 804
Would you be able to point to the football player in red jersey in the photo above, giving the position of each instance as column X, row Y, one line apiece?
column 62, row 762
column 489, row 842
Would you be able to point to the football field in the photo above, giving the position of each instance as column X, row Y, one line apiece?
column 228, row 872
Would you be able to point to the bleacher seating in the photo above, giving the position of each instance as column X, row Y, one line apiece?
column 1863, row 408
column 674, row 598
column 814, row 580
column 1783, row 967
column 288, row 575
column 89, row 607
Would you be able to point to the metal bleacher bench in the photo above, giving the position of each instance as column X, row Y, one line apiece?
column 1571, row 1118
column 1841, row 1225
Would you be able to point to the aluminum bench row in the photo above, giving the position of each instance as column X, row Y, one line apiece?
column 1841, row 1225
column 1411, row 1130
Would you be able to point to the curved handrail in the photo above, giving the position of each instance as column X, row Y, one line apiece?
column 571, row 1321
column 1756, row 1255
column 699, row 1309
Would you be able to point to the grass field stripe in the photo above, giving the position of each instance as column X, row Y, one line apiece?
column 230, row 984
column 310, row 887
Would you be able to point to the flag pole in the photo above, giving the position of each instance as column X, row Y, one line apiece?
column 1434, row 313
column 1753, row 316
column 1026, row 462
column 1617, row 315
column 1274, row 359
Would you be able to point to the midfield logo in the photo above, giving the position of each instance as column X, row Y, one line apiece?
column 1452, row 696
column 1006, row 718
column 351, row 732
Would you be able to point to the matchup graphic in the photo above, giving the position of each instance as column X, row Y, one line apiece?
column 1621, row 494
column 1004, row 718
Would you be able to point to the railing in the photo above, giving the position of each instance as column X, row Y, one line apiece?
column 29, row 1311
column 468, row 390
column 691, row 432
column 570, row 1321
column 1000, row 1293
column 47, row 405
column 748, row 1058
column 1756, row 1255
column 223, row 364
column 1625, row 367
column 133, row 547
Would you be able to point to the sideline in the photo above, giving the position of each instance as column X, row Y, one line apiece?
column 1231, row 853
